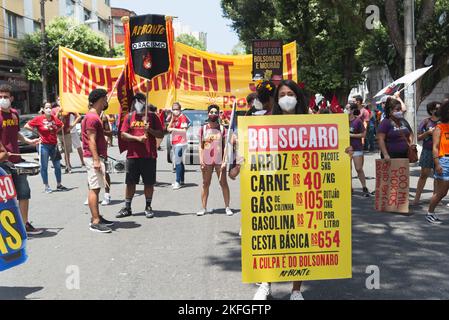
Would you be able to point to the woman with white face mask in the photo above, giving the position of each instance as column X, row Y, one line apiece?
column 264, row 100
column 178, row 129
column 394, row 134
column 47, row 126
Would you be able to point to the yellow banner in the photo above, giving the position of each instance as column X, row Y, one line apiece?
column 296, row 213
column 201, row 79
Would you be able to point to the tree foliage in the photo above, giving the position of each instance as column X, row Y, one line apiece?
column 60, row 32
column 191, row 41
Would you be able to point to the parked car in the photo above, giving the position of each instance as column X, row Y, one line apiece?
column 23, row 147
column 197, row 119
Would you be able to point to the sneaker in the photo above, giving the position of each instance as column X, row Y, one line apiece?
column 86, row 203
column 105, row 222
column 263, row 292
column 432, row 218
column 106, row 201
column 366, row 193
column 202, row 212
column 229, row 211
column 68, row 170
column 98, row 227
column 124, row 212
column 149, row 212
column 176, row 186
column 48, row 189
column 61, row 188
column 32, row 231
column 296, row 295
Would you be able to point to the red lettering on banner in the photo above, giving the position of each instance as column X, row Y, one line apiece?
column 110, row 80
column 84, row 80
column 293, row 137
column 64, row 74
column 227, row 77
column 289, row 66
column 194, row 73
column 183, row 74
column 210, row 75
column 97, row 82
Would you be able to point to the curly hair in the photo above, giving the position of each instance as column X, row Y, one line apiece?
column 265, row 90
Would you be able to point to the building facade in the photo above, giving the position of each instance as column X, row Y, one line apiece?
column 118, row 34
column 21, row 17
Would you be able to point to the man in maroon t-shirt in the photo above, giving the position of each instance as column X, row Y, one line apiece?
column 9, row 134
column 140, row 131
column 95, row 152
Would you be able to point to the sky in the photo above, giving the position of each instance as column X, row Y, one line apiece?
column 200, row 15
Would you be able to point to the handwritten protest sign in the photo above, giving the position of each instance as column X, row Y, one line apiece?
column 296, row 209
column 392, row 185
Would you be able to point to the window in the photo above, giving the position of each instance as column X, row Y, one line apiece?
column 87, row 14
column 12, row 24
column 102, row 25
column 69, row 7
column 119, row 29
column 107, row 2
column 37, row 26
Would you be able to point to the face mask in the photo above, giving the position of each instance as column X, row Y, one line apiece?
column 258, row 105
column 47, row 112
column 287, row 103
column 139, row 106
column 5, row 104
column 176, row 113
column 213, row 117
column 398, row 115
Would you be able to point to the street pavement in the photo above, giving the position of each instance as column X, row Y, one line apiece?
column 177, row 255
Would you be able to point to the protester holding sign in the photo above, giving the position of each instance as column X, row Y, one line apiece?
column 212, row 142
column 357, row 133
column 178, row 129
column 288, row 99
column 425, row 132
column 441, row 159
column 394, row 133
column 47, row 126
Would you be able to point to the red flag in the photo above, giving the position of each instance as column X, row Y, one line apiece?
column 335, row 105
column 323, row 104
column 129, row 69
column 312, row 103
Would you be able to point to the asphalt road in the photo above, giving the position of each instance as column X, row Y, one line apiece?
column 177, row 255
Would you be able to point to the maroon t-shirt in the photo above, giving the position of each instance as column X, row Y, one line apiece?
column 9, row 130
column 92, row 122
column 135, row 126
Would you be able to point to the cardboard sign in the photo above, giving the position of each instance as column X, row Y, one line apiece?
column 296, row 212
column 267, row 60
column 392, row 185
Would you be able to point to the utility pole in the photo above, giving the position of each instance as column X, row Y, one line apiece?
column 43, row 52
column 409, row 37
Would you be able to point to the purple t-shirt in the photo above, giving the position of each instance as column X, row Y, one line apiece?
column 395, row 137
column 356, row 126
column 424, row 126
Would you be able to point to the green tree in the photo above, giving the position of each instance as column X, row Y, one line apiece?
column 432, row 38
column 118, row 51
column 60, row 32
column 239, row 49
column 190, row 40
column 328, row 34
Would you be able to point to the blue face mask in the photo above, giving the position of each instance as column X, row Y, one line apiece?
column 398, row 115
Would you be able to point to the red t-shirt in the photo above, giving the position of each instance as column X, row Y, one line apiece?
column 135, row 126
column 47, row 128
column 180, row 137
column 93, row 122
column 9, row 130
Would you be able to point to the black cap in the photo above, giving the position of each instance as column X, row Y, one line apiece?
column 140, row 96
column 96, row 95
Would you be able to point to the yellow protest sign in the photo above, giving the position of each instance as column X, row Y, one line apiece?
column 296, row 198
column 201, row 79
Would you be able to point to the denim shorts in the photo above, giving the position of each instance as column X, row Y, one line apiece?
column 444, row 163
column 20, row 183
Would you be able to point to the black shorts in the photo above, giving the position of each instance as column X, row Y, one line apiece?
column 135, row 168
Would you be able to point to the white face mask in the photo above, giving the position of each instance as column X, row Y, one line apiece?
column 176, row 113
column 47, row 111
column 5, row 104
column 139, row 106
column 258, row 105
column 288, row 103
